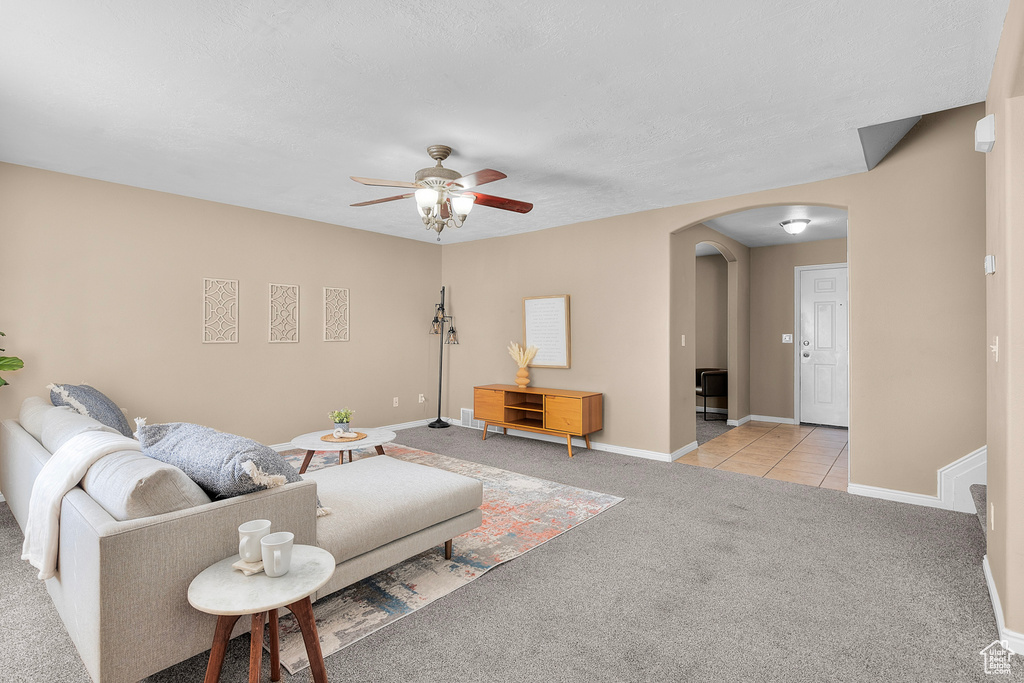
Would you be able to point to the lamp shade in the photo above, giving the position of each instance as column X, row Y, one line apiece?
column 426, row 200
column 462, row 204
column 795, row 226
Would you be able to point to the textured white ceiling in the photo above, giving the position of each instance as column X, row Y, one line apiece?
column 760, row 227
column 591, row 109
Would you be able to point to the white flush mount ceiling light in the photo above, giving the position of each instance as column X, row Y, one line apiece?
column 795, row 226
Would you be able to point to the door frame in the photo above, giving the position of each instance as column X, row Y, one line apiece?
column 797, row 271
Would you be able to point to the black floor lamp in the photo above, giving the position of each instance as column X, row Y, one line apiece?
column 437, row 327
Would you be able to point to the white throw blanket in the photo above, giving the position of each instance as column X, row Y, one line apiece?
column 60, row 474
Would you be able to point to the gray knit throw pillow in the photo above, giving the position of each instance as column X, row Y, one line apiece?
column 224, row 465
column 90, row 402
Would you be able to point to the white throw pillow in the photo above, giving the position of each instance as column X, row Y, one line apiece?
column 31, row 416
column 131, row 485
column 62, row 423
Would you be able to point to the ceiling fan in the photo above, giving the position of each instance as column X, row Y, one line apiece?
column 442, row 195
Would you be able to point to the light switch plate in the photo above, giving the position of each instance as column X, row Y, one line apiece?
column 990, row 264
column 787, row 339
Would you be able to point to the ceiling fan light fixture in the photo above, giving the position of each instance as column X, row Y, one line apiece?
column 462, row 205
column 795, row 226
column 426, row 201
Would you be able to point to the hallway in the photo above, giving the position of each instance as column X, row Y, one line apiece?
column 815, row 456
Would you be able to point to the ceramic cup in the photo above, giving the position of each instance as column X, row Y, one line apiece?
column 277, row 553
column 249, row 536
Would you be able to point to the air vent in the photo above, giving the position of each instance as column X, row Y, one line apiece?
column 468, row 421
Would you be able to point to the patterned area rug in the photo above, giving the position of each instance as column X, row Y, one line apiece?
column 519, row 514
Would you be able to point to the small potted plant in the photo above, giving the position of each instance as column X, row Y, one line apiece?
column 341, row 418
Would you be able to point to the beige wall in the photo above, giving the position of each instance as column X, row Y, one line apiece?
column 1005, row 178
column 102, row 283
column 712, row 317
column 771, row 316
column 916, row 304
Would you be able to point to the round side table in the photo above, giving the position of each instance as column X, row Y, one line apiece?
column 311, row 443
column 226, row 592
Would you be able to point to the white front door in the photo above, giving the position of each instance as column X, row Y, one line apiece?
column 822, row 347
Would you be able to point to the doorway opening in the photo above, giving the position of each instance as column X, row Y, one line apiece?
column 711, row 342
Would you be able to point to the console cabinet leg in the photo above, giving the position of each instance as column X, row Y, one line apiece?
column 587, row 437
column 568, row 442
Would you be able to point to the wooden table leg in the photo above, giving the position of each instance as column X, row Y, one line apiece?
column 275, row 648
column 568, row 441
column 380, row 450
column 587, row 437
column 221, row 636
column 256, row 647
column 303, row 611
column 305, row 461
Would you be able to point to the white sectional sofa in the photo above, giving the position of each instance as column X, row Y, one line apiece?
column 121, row 584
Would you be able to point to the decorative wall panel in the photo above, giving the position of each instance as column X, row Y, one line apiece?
column 335, row 314
column 284, row 313
column 220, row 311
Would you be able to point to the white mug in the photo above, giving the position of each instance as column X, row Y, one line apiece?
column 277, row 553
column 249, row 536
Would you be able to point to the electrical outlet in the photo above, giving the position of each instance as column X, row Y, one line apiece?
column 684, row 340
column 395, row 401
column 422, row 399
column 787, row 339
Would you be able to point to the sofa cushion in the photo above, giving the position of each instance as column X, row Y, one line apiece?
column 92, row 402
column 379, row 499
column 131, row 485
column 224, row 465
column 63, row 423
column 31, row 416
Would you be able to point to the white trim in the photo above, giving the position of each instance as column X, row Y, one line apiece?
column 736, row 423
column 797, row 270
column 769, row 418
column 594, row 445
column 700, row 409
column 1013, row 639
column 892, row 494
column 2, row 499
column 395, row 427
column 955, row 480
column 953, row 485
column 688, row 448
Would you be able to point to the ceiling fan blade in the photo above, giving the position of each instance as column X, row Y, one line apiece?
column 501, row 203
column 381, row 201
column 487, row 175
column 383, row 183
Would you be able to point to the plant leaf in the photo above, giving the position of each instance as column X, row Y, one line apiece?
column 9, row 363
column 2, row 381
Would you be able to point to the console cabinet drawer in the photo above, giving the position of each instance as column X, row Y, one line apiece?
column 488, row 405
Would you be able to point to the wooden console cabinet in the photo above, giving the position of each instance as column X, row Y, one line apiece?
column 558, row 412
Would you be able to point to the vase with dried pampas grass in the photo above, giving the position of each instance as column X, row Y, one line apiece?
column 522, row 357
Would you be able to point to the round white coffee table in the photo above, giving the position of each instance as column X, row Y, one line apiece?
column 219, row 589
column 311, row 443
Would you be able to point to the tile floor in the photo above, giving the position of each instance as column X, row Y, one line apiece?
column 815, row 456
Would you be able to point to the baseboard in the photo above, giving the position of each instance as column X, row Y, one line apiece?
column 2, row 499
column 1014, row 640
column 688, row 448
column 893, row 494
column 594, row 445
column 769, row 418
column 953, row 486
column 736, row 423
column 955, row 480
column 395, row 427
column 719, row 411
